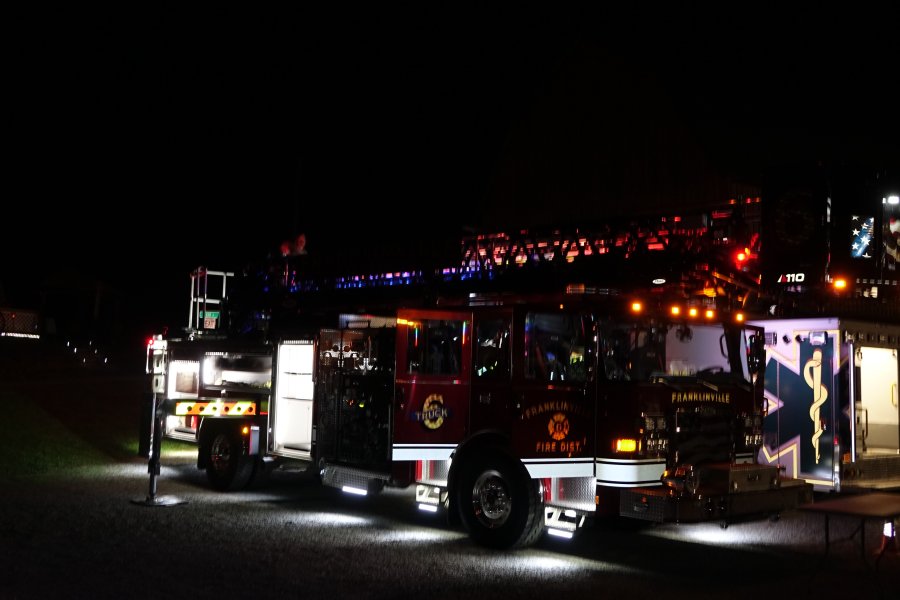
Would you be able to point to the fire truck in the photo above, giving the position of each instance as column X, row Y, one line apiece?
column 542, row 378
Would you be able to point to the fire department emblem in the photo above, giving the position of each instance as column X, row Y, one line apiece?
column 558, row 426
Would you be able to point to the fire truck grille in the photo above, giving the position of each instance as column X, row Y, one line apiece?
column 703, row 435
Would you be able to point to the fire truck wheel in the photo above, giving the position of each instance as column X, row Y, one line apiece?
column 499, row 505
column 227, row 468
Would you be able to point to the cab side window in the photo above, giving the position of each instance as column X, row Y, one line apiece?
column 558, row 347
column 492, row 349
column 434, row 347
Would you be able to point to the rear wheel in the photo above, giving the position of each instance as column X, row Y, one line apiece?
column 498, row 503
column 226, row 467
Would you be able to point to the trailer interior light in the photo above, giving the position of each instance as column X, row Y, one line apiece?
column 354, row 490
column 561, row 533
column 428, row 507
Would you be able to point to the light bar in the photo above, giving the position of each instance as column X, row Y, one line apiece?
column 354, row 490
column 215, row 408
column 428, row 507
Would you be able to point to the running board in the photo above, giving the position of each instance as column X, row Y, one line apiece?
column 352, row 480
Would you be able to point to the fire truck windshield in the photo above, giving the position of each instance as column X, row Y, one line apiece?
column 632, row 352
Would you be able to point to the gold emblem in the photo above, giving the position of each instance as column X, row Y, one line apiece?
column 812, row 374
column 433, row 411
column 558, row 426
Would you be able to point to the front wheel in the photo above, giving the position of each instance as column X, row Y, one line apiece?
column 226, row 467
column 498, row 503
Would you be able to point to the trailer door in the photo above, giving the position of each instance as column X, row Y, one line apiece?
column 878, row 403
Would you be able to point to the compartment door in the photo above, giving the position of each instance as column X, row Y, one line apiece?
column 878, row 411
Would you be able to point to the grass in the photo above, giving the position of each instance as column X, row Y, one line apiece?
column 34, row 443
column 37, row 441
column 59, row 416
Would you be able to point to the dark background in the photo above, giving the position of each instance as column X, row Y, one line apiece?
column 143, row 142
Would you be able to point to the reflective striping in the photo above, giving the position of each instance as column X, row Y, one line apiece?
column 559, row 467
column 215, row 408
column 423, row 451
column 627, row 473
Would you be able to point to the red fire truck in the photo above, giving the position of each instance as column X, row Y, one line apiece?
column 541, row 378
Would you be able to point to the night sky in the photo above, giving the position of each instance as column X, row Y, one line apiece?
column 143, row 142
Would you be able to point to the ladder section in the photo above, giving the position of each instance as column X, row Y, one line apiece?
column 208, row 293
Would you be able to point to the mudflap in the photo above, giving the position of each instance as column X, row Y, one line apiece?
column 664, row 505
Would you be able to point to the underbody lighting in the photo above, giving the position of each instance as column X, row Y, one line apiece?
column 560, row 533
column 428, row 507
column 354, row 490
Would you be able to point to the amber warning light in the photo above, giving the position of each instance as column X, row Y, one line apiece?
column 626, row 445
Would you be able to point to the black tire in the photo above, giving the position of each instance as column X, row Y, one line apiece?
column 226, row 467
column 499, row 505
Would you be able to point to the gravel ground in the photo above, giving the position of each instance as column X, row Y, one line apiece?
column 87, row 535
column 74, row 524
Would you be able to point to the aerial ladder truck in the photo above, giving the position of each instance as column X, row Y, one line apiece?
column 535, row 380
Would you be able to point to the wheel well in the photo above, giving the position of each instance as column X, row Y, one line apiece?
column 481, row 442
